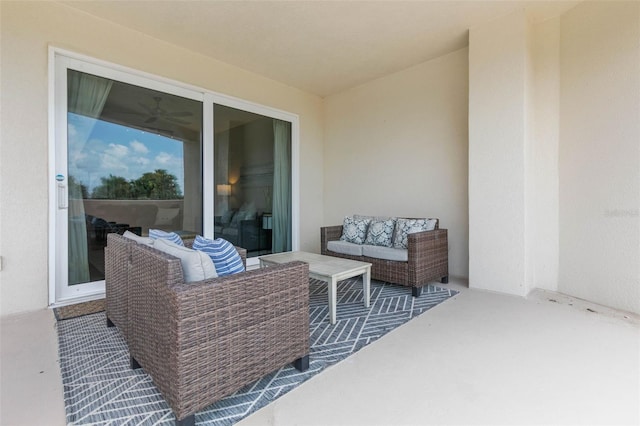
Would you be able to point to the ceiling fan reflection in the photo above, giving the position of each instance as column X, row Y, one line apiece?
column 155, row 112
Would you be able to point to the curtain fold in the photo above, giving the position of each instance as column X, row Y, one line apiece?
column 86, row 95
column 281, row 186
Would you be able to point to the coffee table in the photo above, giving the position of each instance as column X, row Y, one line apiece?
column 328, row 269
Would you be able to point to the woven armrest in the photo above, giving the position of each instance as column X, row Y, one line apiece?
column 256, row 289
column 418, row 243
column 329, row 233
column 117, row 255
column 428, row 255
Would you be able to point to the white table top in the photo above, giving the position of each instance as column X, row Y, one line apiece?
column 327, row 266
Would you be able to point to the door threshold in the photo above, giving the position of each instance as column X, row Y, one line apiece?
column 73, row 301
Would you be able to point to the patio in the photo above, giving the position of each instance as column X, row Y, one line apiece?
column 521, row 135
column 480, row 358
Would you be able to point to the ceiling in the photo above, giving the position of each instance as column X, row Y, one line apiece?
column 321, row 47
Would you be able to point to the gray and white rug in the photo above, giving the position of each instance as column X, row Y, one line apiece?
column 101, row 389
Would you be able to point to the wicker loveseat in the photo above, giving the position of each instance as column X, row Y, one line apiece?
column 202, row 341
column 425, row 259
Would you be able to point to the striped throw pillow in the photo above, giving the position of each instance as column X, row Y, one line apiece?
column 224, row 255
column 157, row 234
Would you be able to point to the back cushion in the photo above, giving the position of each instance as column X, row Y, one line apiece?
column 380, row 233
column 196, row 266
column 147, row 241
column 354, row 230
column 405, row 227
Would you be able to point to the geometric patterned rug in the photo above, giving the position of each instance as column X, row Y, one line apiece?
column 101, row 389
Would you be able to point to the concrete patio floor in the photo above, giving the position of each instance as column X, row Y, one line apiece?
column 478, row 358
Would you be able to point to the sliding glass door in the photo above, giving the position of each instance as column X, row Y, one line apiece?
column 133, row 153
column 128, row 158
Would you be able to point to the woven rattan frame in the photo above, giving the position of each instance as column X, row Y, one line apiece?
column 117, row 261
column 117, row 255
column 428, row 258
column 203, row 341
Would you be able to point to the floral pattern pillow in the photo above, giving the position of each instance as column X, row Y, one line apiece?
column 380, row 233
column 405, row 227
column 354, row 230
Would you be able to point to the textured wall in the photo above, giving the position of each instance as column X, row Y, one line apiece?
column 600, row 154
column 397, row 146
column 498, row 78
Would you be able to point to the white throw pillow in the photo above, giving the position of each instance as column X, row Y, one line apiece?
column 138, row 239
column 196, row 266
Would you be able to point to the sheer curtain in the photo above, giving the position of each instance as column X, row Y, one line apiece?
column 221, row 169
column 86, row 96
column 281, row 186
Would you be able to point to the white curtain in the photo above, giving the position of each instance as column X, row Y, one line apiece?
column 281, row 186
column 86, row 95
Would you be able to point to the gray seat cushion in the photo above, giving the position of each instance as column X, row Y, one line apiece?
column 387, row 253
column 344, row 247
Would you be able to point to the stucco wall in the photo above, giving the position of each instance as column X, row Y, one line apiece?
column 564, row 95
column 27, row 30
column 498, row 123
column 544, row 252
column 600, row 154
column 397, row 146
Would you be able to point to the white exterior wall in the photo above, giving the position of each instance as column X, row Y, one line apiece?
column 544, row 154
column 497, row 149
column 554, row 154
column 397, row 146
column 600, row 154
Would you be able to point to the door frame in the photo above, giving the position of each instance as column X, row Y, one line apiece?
column 59, row 61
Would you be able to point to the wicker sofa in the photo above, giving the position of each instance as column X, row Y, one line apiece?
column 427, row 258
column 202, row 341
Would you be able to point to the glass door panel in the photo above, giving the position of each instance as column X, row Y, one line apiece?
column 252, row 163
column 131, row 152
column 133, row 162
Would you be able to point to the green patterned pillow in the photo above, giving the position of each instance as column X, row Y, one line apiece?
column 380, row 233
column 405, row 227
column 354, row 230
